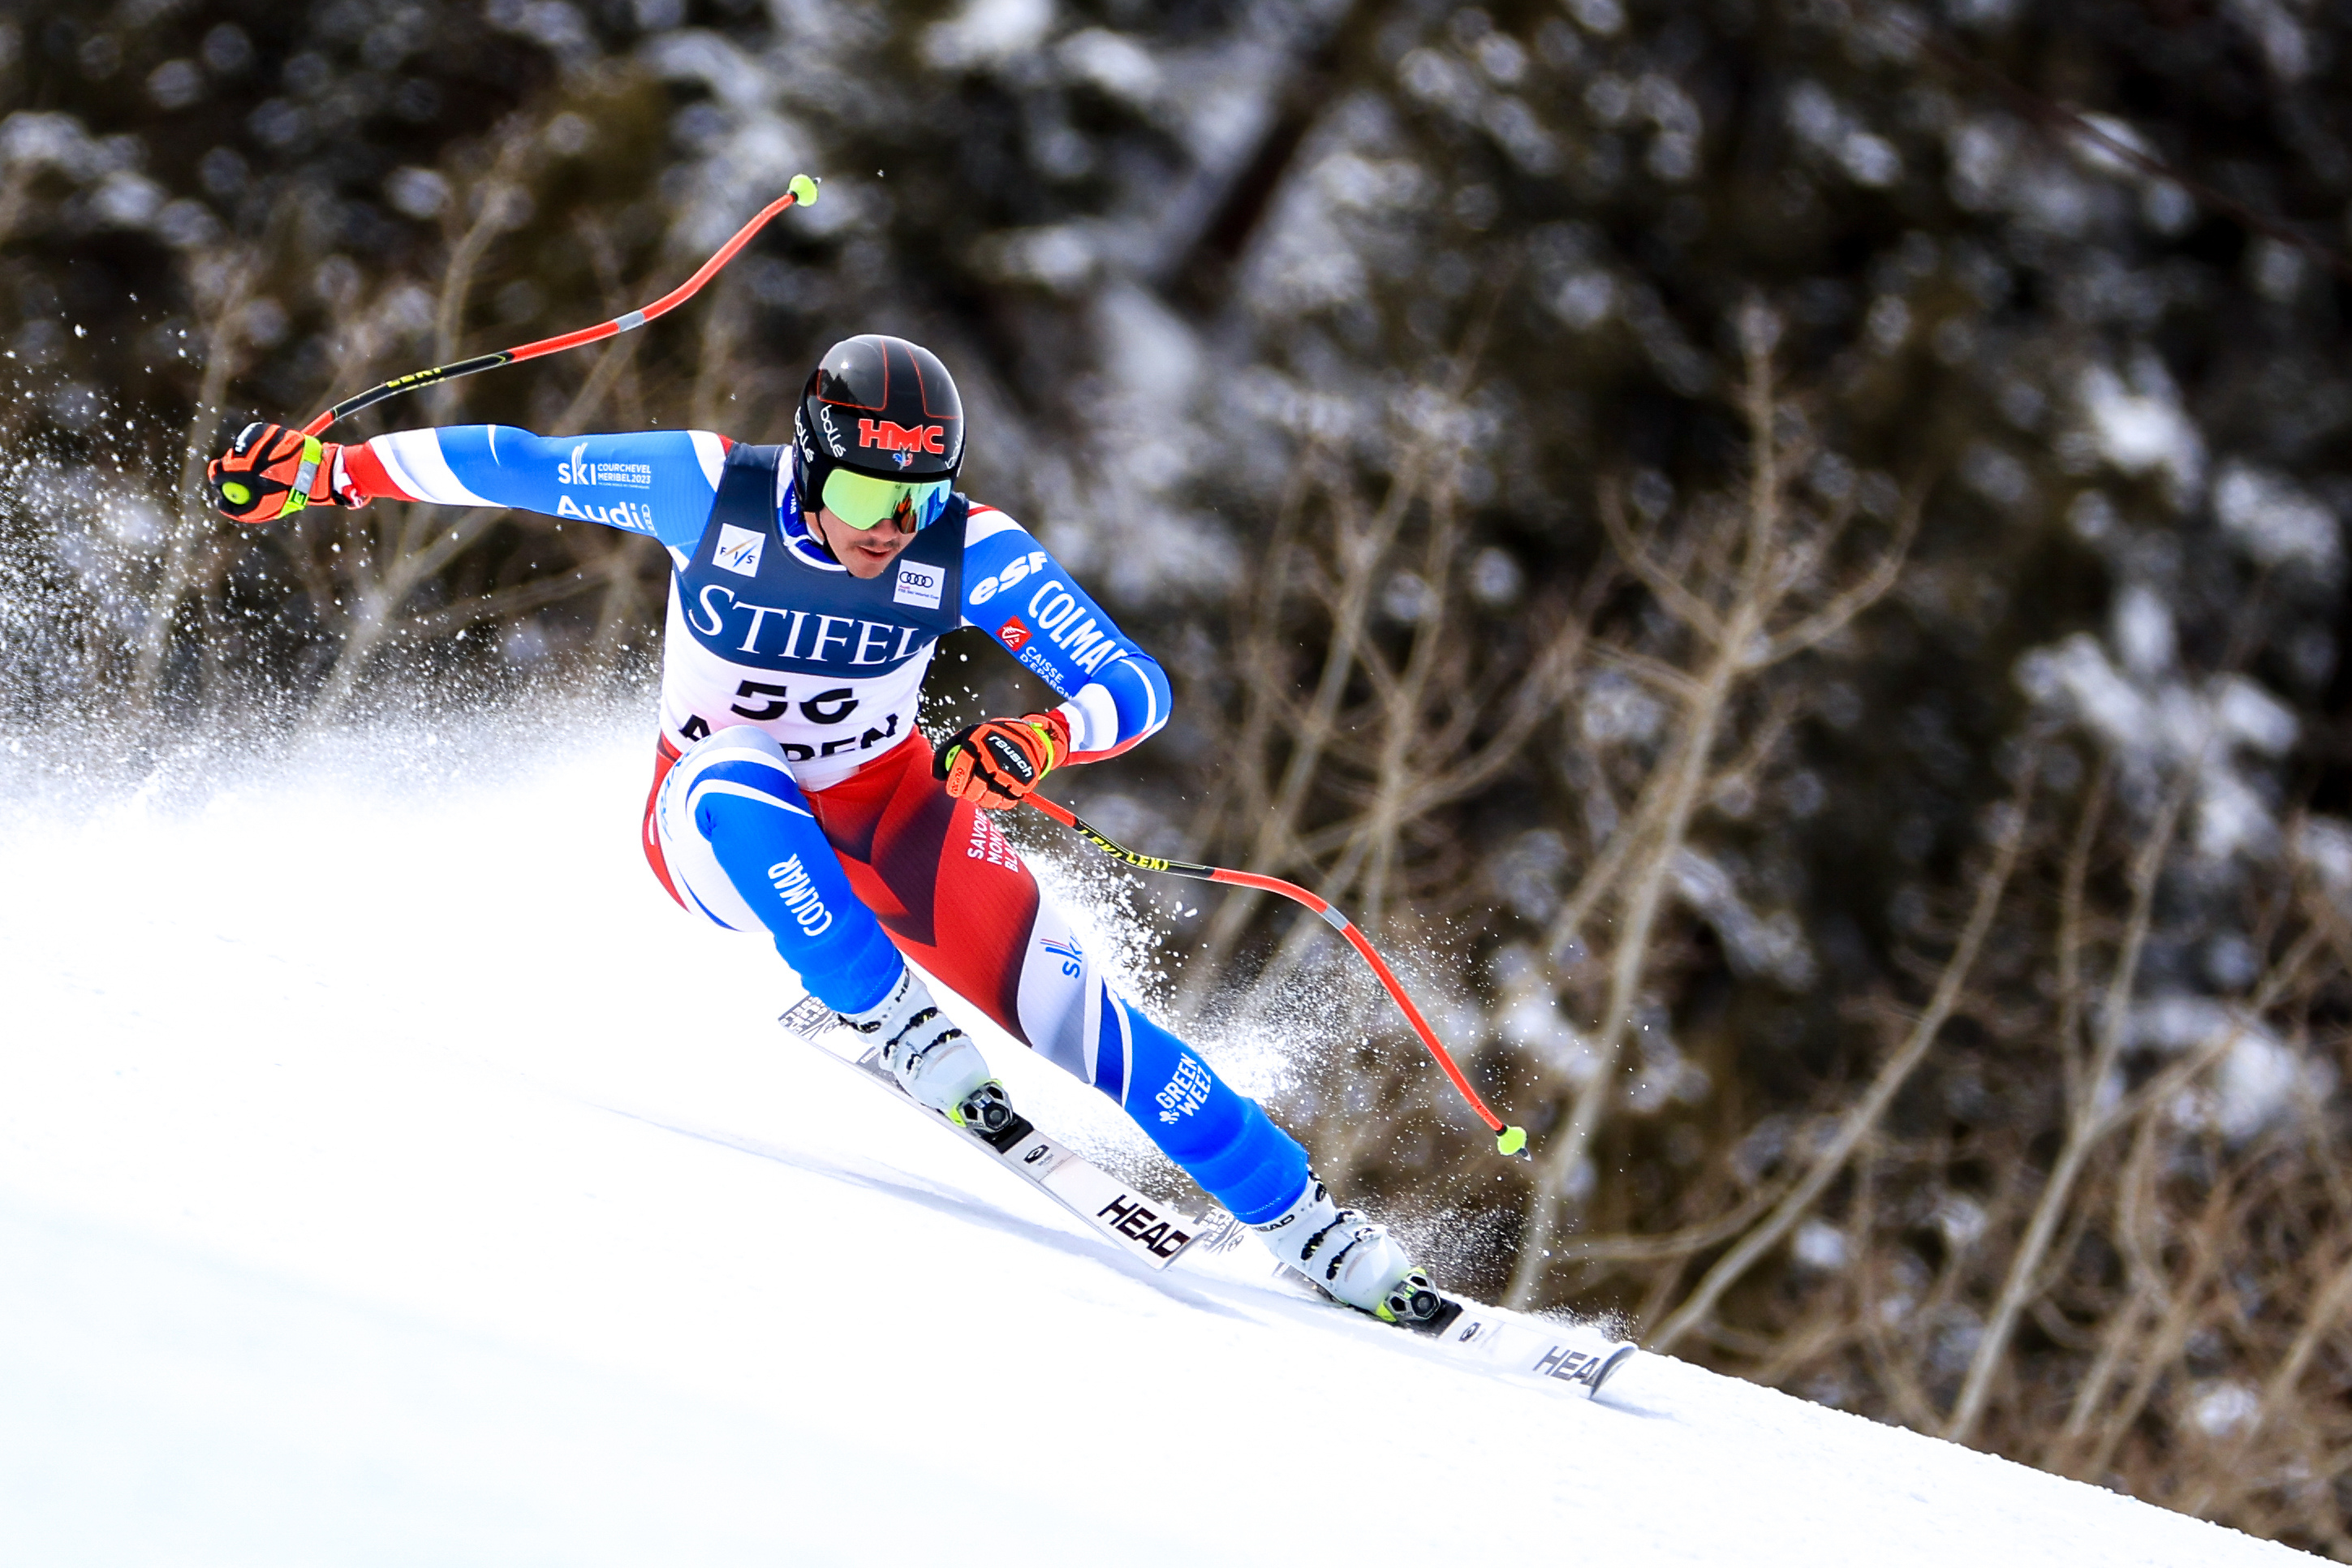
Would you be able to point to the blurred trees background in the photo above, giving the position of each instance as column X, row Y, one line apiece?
column 1787, row 555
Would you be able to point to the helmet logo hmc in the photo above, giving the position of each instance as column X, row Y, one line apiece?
column 892, row 436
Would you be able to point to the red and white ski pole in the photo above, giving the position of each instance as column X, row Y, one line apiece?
column 801, row 191
column 1509, row 1139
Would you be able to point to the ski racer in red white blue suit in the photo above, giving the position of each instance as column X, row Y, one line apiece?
column 792, row 792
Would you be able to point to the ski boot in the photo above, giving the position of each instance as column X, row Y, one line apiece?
column 935, row 1062
column 1351, row 1259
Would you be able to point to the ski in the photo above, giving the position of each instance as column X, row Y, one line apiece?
column 1501, row 1341
column 1581, row 1358
column 1152, row 1233
column 1155, row 1234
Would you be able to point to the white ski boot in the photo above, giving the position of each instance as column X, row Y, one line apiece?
column 1353, row 1259
column 935, row 1062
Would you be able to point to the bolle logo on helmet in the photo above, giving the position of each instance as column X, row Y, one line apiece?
column 892, row 436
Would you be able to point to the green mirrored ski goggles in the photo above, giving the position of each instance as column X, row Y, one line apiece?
column 863, row 501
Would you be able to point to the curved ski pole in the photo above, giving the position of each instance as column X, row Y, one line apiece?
column 1509, row 1139
column 802, row 192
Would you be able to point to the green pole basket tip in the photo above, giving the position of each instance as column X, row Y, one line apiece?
column 804, row 190
column 1512, row 1140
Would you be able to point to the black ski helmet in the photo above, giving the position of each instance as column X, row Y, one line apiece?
column 880, row 406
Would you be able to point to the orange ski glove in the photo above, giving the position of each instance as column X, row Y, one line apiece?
column 270, row 471
column 994, row 762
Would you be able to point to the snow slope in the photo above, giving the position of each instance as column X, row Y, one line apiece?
column 390, row 1174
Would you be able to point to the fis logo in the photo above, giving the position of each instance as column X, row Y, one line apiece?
column 738, row 551
column 892, row 436
column 1073, row 957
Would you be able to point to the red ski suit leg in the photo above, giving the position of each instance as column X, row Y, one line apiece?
column 954, row 898
column 935, row 870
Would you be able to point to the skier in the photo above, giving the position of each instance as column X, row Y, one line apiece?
column 792, row 792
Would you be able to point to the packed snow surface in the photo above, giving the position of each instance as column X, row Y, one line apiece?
column 389, row 1172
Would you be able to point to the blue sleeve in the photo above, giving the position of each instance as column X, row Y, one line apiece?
column 657, row 482
column 1013, row 589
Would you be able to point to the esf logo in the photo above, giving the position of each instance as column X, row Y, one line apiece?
column 889, row 436
column 1017, row 568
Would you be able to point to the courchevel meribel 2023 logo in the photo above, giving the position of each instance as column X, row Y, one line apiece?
column 577, row 470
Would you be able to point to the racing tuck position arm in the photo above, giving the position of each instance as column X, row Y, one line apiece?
column 754, row 594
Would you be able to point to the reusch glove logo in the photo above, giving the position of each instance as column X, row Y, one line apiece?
column 995, row 763
column 1010, row 756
